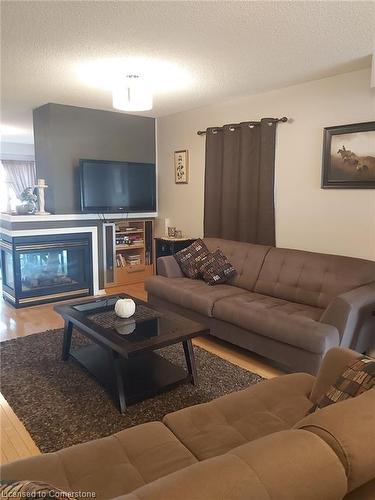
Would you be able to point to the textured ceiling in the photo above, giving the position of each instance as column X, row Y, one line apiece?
column 226, row 48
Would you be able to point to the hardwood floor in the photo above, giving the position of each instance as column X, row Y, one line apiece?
column 239, row 357
column 16, row 442
column 20, row 322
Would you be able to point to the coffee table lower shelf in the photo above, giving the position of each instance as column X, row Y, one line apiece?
column 130, row 380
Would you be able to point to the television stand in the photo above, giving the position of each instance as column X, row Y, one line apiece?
column 128, row 252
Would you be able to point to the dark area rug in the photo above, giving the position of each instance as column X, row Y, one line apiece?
column 60, row 404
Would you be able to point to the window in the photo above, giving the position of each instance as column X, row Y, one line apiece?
column 6, row 192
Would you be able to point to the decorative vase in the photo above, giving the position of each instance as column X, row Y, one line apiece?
column 28, row 202
column 124, row 308
column 21, row 210
column 26, row 208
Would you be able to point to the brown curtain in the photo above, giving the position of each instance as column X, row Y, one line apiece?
column 239, row 182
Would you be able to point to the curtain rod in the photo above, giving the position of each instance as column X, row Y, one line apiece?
column 236, row 125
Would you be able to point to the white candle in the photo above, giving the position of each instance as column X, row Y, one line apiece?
column 41, row 186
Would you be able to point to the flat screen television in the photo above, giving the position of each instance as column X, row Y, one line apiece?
column 116, row 186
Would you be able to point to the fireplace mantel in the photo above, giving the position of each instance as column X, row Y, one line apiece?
column 14, row 227
column 14, row 218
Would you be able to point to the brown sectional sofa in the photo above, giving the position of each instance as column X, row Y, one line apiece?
column 254, row 444
column 290, row 306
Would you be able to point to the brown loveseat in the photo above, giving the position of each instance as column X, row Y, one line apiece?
column 254, row 444
column 290, row 306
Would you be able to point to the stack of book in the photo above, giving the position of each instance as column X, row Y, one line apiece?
column 133, row 260
column 127, row 260
column 120, row 260
column 136, row 240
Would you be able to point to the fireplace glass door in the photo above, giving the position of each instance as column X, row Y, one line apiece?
column 8, row 274
column 52, row 269
column 48, row 267
column 45, row 268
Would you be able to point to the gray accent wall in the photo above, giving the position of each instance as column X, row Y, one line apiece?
column 64, row 134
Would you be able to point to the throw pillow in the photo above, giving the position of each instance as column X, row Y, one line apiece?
column 189, row 258
column 216, row 268
column 357, row 378
column 30, row 489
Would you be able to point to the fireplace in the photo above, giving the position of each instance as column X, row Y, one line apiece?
column 39, row 269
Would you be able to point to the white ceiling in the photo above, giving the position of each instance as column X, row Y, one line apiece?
column 226, row 49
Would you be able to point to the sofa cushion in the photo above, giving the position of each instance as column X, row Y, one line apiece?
column 357, row 378
column 246, row 258
column 216, row 427
column 311, row 278
column 110, row 466
column 216, row 268
column 287, row 322
column 189, row 258
column 195, row 295
column 287, row 465
column 334, row 363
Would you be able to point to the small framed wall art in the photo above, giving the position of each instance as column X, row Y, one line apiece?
column 349, row 156
column 181, row 166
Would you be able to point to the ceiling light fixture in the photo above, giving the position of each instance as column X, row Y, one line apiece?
column 161, row 77
column 132, row 93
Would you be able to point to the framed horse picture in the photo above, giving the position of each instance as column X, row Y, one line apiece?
column 349, row 156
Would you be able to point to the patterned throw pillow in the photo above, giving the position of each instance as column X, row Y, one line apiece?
column 216, row 268
column 30, row 489
column 189, row 258
column 356, row 379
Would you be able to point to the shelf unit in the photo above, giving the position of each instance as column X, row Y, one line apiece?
column 128, row 251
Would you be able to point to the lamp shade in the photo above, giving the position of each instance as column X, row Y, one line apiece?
column 373, row 71
column 132, row 93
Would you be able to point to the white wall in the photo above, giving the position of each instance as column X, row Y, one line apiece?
column 307, row 217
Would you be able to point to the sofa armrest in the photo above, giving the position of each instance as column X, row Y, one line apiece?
column 349, row 311
column 333, row 364
column 348, row 427
column 287, row 465
column 168, row 267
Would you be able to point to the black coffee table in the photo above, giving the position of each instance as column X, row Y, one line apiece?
column 121, row 352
